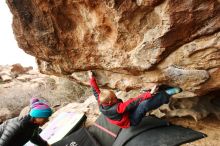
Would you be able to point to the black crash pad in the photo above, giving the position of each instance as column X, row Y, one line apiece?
column 147, row 123
column 156, row 132
column 166, row 136
column 80, row 137
column 104, row 132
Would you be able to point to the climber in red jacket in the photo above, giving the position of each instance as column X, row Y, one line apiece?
column 130, row 112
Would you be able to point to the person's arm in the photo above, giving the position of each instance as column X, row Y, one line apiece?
column 132, row 102
column 11, row 129
column 94, row 85
column 36, row 139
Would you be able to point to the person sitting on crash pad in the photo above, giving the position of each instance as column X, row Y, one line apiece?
column 130, row 112
column 18, row 131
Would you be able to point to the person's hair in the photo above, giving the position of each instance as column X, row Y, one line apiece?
column 106, row 96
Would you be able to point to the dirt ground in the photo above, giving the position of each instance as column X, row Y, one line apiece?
column 209, row 126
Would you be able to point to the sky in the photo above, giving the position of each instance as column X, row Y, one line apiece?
column 10, row 53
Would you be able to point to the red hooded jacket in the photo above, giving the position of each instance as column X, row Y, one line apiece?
column 118, row 113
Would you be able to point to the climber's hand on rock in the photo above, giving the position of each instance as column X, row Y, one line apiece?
column 91, row 74
column 154, row 89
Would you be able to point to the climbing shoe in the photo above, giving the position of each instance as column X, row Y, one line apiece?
column 174, row 90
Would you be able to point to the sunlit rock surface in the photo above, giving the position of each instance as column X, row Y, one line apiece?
column 129, row 44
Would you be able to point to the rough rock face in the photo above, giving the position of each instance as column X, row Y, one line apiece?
column 130, row 44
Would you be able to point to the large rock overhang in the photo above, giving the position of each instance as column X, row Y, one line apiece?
column 129, row 44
